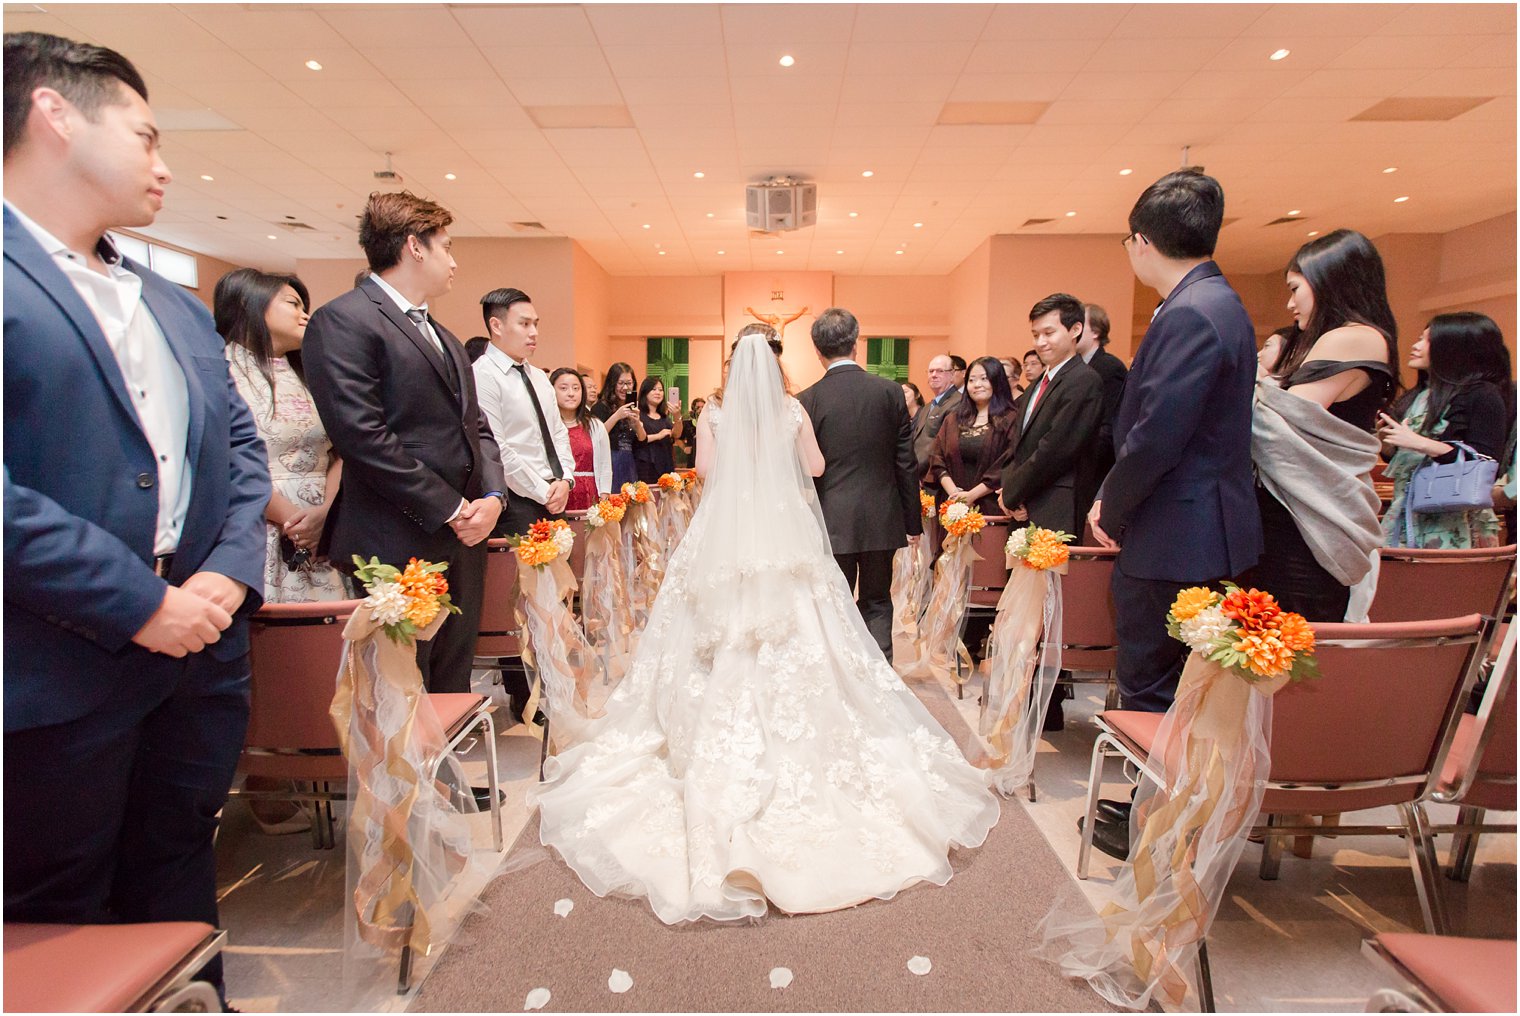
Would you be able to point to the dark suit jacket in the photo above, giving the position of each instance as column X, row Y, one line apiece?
column 1096, row 466
column 412, row 446
column 1052, row 451
column 81, row 494
column 926, row 425
column 1180, row 497
column 869, row 487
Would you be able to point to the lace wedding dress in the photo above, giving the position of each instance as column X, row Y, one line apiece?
column 760, row 747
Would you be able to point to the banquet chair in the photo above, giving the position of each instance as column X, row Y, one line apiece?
column 110, row 967
column 1444, row 974
column 499, row 637
column 295, row 650
column 1479, row 775
column 1373, row 730
column 577, row 522
column 1089, row 641
column 989, row 574
column 1416, row 585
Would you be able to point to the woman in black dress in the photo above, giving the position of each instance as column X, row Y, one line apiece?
column 661, row 425
column 618, row 410
column 966, row 461
column 1342, row 356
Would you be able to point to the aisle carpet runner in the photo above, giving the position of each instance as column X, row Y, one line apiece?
column 975, row 933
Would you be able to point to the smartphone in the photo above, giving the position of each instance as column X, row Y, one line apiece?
column 675, row 394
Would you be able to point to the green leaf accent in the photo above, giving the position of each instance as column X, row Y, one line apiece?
column 888, row 358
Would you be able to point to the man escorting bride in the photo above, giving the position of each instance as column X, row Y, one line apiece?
column 761, row 749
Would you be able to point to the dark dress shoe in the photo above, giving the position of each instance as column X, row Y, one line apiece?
column 483, row 797
column 1110, row 837
column 1114, row 811
column 1055, row 718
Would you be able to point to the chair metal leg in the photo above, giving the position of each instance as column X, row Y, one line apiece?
column 1205, row 979
column 489, row 725
column 543, row 749
column 1423, row 865
column 1111, row 696
column 1029, row 790
column 1094, row 786
column 1464, row 845
column 1271, row 850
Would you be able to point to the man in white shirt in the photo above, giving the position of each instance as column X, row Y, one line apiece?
column 520, row 405
column 135, row 486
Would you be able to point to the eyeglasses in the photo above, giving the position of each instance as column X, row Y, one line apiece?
column 941, row 370
column 1125, row 242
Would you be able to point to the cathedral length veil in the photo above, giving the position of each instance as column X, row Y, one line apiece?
column 760, row 747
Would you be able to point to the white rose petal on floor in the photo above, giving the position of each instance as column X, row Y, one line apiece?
column 619, row 982
column 920, row 965
column 562, row 908
column 537, row 999
column 781, row 977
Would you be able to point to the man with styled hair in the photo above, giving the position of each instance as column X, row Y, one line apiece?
column 1093, row 348
column 421, row 470
column 1179, row 502
column 135, row 487
column 869, row 488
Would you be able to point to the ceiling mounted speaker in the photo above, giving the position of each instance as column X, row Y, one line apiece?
column 780, row 206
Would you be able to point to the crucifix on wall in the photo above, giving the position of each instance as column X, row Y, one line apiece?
column 776, row 321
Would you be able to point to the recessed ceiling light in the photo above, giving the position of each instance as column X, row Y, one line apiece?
column 313, row 65
column 781, row 252
column 450, row 176
column 1278, row 55
column 709, row 215
column 867, row 172
column 839, row 252
column 1296, row 211
column 1125, row 172
column 271, row 236
column 854, row 215
column 661, row 253
column 699, row 174
column 787, row 61
column 918, row 225
column 1070, row 214
column 1400, row 201
column 1391, row 169
column 897, row 252
column 207, row 177
column 646, row 225
column 1314, row 232
column 720, row 252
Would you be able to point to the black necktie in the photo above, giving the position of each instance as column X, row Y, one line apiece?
column 435, row 343
column 543, row 424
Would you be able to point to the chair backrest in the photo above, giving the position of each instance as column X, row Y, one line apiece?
column 1491, row 784
column 990, row 574
column 1417, row 585
column 1089, row 641
column 1384, row 707
column 499, row 635
column 578, row 551
column 295, row 650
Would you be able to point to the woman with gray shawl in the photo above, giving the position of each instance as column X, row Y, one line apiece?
column 1311, row 435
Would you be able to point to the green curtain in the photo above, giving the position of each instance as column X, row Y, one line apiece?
column 888, row 358
column 668, row 360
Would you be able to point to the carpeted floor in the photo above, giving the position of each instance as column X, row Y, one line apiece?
column 975, row 932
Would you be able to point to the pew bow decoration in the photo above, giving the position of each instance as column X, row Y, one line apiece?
column 554, row 647
column 939, row 650
column 604, row 588
column 912, row 573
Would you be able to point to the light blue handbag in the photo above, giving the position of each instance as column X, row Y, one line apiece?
column 1465, row 483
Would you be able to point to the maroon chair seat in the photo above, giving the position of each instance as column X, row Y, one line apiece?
column 107, row 967
column 1452, row 974
column 1415, row 584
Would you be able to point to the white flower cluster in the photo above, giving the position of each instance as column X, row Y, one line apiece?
column 594, row 518
column 1017, row 541
column 387, row 602
column 1200, row 630
column 564, row 539
column 956, row 511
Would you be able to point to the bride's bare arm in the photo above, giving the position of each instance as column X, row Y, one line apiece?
column 705, row 446
column 807, row 446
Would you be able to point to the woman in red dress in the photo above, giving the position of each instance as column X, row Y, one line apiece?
column 588, row 440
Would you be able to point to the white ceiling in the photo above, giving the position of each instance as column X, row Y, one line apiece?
column 447, row 88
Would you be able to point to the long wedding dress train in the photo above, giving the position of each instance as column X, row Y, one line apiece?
column 760, row 746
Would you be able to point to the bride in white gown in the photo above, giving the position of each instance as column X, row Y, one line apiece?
column 760, row 747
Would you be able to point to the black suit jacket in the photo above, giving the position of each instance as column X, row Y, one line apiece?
column 413, row 441
column 869, row 487
column 1113, row 372
column 1052, row 450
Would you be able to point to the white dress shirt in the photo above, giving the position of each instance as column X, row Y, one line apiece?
column 1046, row 379
column 407, row 305
column 154, row 379
column 504, row 400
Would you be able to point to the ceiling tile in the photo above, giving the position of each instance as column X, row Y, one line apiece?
column 785, row 24
column 531, row 26
column 913, row 23
column 1022, row 22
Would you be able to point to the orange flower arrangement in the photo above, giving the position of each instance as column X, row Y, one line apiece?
column 674, row 482
column 638, row 493
column 689, row 475
column 610, row 508
column 544, row 543
column 1244, row 630
column 404, row 602
column 960, row 519
column 1038, row 549
column 926, row 504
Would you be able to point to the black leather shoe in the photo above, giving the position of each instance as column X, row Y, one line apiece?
column 1110, row 837
column 1055, row 718
column 483, row 797
column 1114, row 811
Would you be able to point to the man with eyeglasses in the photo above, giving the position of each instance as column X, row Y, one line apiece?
column 944, row 382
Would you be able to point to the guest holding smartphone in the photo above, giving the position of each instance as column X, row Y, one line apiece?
column 618, row 411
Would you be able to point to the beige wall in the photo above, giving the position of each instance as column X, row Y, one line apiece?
column 1026, row 269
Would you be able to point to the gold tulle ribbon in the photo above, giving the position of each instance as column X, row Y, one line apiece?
column 1020, row 678
column 604, row 601
column 912, row 571
column 554, row 650
column 643, row 560
column 389, row 912
column 938, row 648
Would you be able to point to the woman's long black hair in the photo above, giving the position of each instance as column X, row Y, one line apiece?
column 582, row 411
column 1345, row 273
column 608, row 396
column 241, row 299
column 644, row 390
column 1466, row 350
column 1002, row 394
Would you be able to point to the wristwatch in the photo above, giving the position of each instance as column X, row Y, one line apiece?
column 568, row 479
column 498, row 495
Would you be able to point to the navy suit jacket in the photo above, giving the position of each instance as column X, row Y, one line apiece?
column 81, row 493
column 1180, row 497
